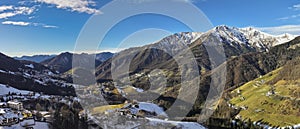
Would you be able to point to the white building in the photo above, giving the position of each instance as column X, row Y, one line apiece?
column 2, row 104
column 15, row 105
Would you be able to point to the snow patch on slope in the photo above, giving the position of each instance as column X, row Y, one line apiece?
column 30, row 66
column 178, row 124
column 4, row 90
column 2, row 71
column 36, row 125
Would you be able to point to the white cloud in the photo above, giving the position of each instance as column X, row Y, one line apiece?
column 17, row 23
column 291, row 29
column 100, row 50
column 7, row 15
column 49, row 26
column 82, row 6
column 5, row 7
column 44, row 25
column 295, row 7
column 32, row 17
column 13, row 11
column 289, row 17
column 148, row 1
column 187, row 1
column 24, row 10
column 22, row 23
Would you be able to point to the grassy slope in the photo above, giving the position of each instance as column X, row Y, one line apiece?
column 276, row 111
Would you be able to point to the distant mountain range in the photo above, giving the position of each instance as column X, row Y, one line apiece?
column 31, row 76
column 35, row 58
column 63, row 62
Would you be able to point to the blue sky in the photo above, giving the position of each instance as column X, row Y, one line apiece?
column 52, row 26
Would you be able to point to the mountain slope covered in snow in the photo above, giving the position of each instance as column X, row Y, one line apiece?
column 249, row 36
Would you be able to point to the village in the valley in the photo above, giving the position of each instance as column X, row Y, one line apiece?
column 25, row 109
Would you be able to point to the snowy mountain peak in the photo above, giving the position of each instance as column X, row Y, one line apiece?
column 223, row 28
column 285, row 38
column 229, row 34
column 183, row 37
column 249, row 36
column 267, row 39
